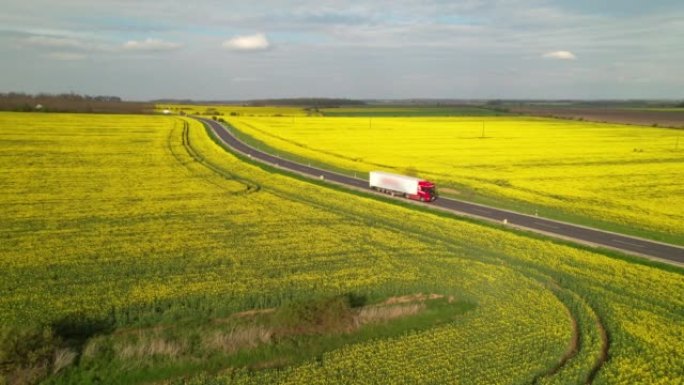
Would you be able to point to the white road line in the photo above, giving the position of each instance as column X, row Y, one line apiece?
column 482, row 211
column 627, row 243
column 550, row 226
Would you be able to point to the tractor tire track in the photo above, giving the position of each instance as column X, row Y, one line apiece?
column 197, row 158
column 574, row 343
column 605, row 347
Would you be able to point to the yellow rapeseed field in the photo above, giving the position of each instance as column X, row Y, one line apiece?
column 624, row 178
column 127, row 216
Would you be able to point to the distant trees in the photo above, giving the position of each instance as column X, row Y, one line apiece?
column 306, row 102
column 496, row 105
column 69, row 102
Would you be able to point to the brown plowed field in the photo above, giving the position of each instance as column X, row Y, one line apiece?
column 611, row 115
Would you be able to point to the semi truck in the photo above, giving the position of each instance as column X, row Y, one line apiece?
column 402, row 185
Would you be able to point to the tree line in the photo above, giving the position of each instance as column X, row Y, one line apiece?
column 70, row 102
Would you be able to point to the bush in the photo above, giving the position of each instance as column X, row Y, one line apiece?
column 315, row 316
column 26, row 353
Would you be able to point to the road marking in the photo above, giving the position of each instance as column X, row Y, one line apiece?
column 482, row 210
column 627, row 243
column 544, row 224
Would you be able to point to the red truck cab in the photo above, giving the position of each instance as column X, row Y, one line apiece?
column 426, row 191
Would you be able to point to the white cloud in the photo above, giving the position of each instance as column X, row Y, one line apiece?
column 256, row 42
column 150, row 44
column 561, row 55
column 55, row 42
column 66, row 56
column 64, row 43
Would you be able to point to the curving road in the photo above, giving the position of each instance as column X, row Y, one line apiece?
column 632, row 245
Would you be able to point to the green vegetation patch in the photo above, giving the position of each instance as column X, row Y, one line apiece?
column 407, row 111
column 255, row 339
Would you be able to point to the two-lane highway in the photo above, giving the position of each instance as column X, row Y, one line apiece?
column 632, row 245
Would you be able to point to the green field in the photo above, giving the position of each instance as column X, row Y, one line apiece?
column 404, row 111
column 135, row 249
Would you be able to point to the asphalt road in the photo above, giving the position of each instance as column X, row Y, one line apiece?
column 585, row 235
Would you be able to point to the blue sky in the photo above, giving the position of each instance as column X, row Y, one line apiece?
column 210, row 49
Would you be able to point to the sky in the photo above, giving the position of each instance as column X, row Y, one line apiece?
column 372, row 49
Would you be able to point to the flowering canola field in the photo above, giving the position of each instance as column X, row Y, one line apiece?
column 144, row 218
column 623, row 178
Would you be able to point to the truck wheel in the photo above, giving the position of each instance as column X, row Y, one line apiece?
column 422, row 199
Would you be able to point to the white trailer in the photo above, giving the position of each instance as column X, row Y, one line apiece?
column 410, row 187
